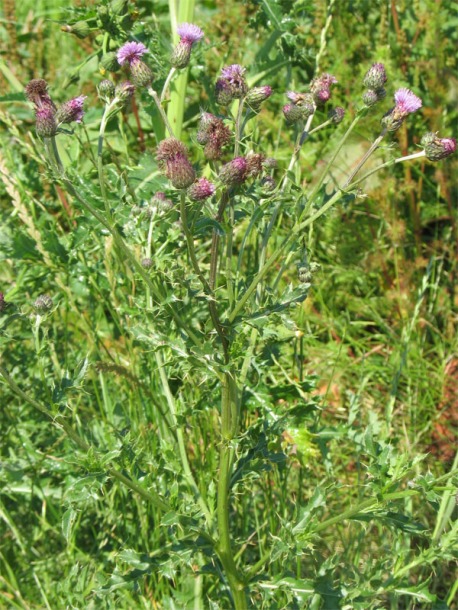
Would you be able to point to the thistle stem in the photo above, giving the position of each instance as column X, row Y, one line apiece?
column 167, row 83
column 161, row 110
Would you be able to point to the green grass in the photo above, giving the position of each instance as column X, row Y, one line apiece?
column 344, row 466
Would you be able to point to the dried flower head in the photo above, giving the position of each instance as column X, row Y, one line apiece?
column 214, row 134
column 254, row 164
column 131, row 52
column 437, row 148
column 201, row 189
column 36, row 91
column 71, row 111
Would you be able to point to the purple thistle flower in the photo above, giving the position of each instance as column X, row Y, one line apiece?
column 169, row 148
column 71, row 111
column 179, row 171
column 234, row 172
column 131, row 52
column 233, row 73
column 36, row 91
column 46, row 125
column 189, row 33
column 201, row 189
column 231, row 85
column 406, row 101
column 321, row 87
column 437, row 148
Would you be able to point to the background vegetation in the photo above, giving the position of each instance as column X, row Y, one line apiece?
column 367, row 365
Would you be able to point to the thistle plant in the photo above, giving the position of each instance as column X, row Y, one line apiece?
column 216, row 261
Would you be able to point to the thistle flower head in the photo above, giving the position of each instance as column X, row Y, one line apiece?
column 320, row 87
column 257, row 95
column 43, row 303
column 201, row 189
column 106, row 90
column 46, row 124
column 131, row 52
column 169, row 148
column 146, row 263
column 71, row 111
column 179, row 171
column 375, row 77
column 372, row 96
column 234, row 172
column 141, row 74
column 231, row 85
column 36, row 91
column 189, row 33
column 437, row 148
column 124, row 91
column 292, row 113
column 162, row 202
column 406, row 101
column 336, row 114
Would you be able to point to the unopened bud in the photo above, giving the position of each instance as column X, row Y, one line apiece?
column 146, row 263
column 337, row 114
column 109, row 62
column 43, row 303
column 141, row 74
column 106, row 90
column 375, row 77
column 124, row 91
column 81, row 29
column 46, row 125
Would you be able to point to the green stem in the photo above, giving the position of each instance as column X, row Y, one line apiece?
column 167, row 83
column 229, row 423
column 386, row 164
column 374, row 146
column 207, row 288
column 158, row 103
column 103, row 124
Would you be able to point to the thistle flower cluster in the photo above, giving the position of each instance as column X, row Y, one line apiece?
column 303, row 105
column 406, row 103
column 301, row 108
column 231, row 85
column 130, row 54
column 213, row 134
column 374, row 81
column 235, row 172
column 189, row 35
column 48, row 116
column 320, row 88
